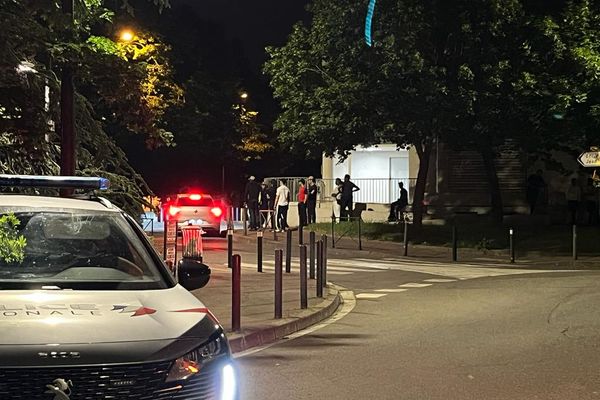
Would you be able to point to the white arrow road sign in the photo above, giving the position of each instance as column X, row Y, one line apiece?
column 589, row 159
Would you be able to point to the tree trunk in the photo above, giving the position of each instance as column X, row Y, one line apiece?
column 494, row 184
column 424, row 152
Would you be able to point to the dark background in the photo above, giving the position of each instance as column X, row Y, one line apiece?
column 229, row 38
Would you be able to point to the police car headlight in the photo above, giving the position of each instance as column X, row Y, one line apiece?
column 191, row 364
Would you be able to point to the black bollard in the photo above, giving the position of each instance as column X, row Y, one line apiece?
column 319, row 269
column 288, row 252
column 300, row 234
column 405, row 239
column 511, row 244
column 259, row 251
column 229, row 248
column 332, row 230
column 245, row 220
column 312, row 255
column 324, row 264
column 236, row 275
column 303, row 281
column 278, row 283
column 359, row 233
column 454, row 244
column 574, row 242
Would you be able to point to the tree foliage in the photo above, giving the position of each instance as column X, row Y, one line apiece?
column 122, row 88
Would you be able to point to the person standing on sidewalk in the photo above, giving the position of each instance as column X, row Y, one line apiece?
column 282, row 202
column 251, row 197
column 302, row 197
column 348, row 188
column 311, row 201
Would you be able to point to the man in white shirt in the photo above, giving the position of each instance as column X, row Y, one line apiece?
column 282, row 202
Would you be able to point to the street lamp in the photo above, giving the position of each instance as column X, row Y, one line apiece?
column 126, row 35
column 244, row 95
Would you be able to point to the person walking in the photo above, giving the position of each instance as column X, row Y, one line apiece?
column 301, row 198
column 264, row 205
column 282, row 202
column 271, row 194
column 573, row 199
column 251, row 197
column 311, row 201
column 348, row 189
column 398, row 206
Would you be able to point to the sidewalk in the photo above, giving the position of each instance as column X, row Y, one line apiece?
column 258, row 326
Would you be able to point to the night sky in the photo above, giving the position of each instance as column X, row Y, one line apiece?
column 250, row 25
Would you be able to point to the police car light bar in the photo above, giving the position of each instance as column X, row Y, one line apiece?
column 72, row 182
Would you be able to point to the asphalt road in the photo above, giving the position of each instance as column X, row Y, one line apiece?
column 527, row 336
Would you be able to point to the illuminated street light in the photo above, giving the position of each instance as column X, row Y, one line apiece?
column 126, row 35
column 244, row 95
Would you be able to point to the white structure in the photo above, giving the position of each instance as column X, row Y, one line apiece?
column 376, row 170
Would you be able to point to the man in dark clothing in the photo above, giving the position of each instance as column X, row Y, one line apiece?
column 311, row 202
column 271, row 194
column 348, row 188
column 251, row 196
column 535, row 186
column 399, row 205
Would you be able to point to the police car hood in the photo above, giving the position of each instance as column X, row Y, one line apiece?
column 101, row 326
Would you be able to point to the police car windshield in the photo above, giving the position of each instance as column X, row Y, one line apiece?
column 75, row 249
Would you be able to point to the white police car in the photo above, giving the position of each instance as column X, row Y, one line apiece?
column 89, row 311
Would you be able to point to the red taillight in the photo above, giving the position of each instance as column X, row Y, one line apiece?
column 216, row 211
column 173, row 211
column 195, row 196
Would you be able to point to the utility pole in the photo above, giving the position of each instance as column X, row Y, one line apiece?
column 67, row 119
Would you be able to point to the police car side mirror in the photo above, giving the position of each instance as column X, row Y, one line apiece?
column 192, row 274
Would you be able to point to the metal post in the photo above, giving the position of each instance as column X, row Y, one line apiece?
column 300, row 234
column 259, row 251
column 574, row 242
column 454, row 244
column 236, row 293
column 229, row 247
column 319, row 269
column 312, row 255
column 332, row 230
column 164, row 255
column 278, row 283
column 303, row 282
column 511, row 245
column 405, row 239
column 68, row 158
column 324, row 262
column 359, row 233
column 245, row 220
column 288, row 252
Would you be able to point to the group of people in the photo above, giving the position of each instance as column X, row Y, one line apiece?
column 343, row 195
column 268, row 203
column 579, row 200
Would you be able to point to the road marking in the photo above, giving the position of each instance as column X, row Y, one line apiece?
column 440, row 280
column 369, row 296
column 414, row 285
column 391, row 290
column 348, row 304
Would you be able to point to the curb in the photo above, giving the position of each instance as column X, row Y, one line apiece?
column 296, row 322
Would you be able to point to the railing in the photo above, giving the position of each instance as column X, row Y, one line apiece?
column 377, row 190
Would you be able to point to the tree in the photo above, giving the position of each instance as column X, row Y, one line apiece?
column 336, row 93
column 38, row 42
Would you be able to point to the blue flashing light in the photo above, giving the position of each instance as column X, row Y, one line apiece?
column 72, row 182
column 368, row 21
